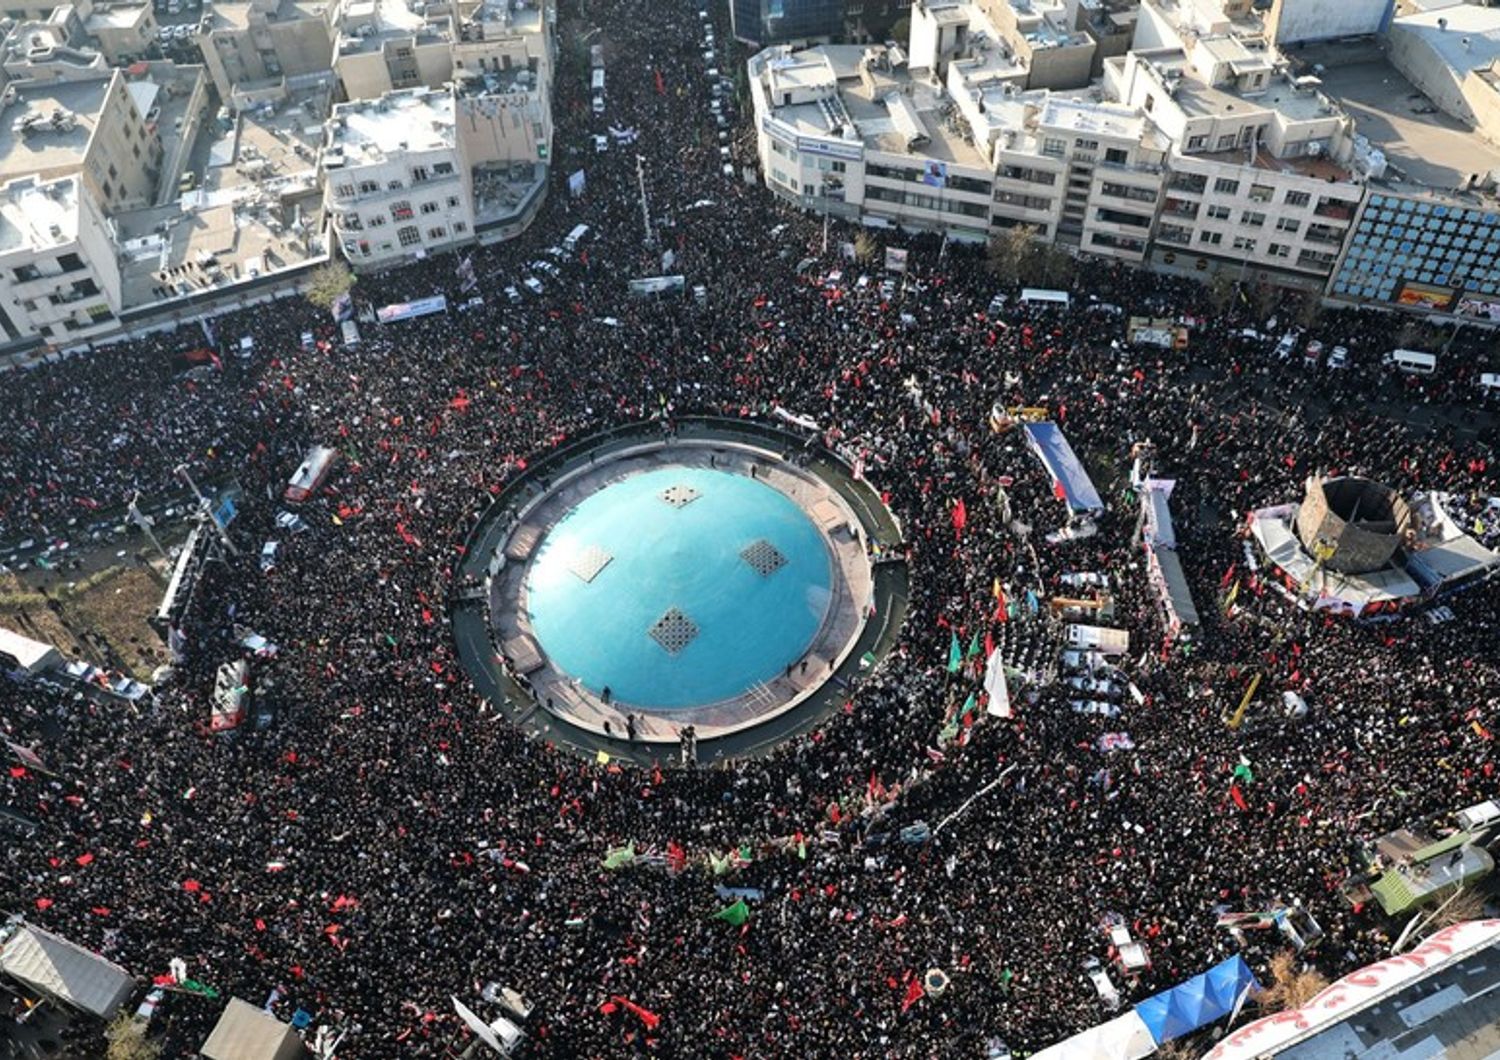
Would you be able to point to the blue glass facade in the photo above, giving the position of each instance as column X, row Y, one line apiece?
column 1412, row 250
column 766, row 22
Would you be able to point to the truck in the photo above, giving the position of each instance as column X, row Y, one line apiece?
column 1098, row 638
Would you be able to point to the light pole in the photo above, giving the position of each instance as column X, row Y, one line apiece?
column 145, row 522
column 183, row 473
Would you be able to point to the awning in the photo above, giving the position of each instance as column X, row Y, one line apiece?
column 1199, row 1001
column 245, row 1032
column 52, row 965
column 1123, row 1038
column 1067, row 472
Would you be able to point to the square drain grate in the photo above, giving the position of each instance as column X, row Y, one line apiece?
column 679, row 496
column 763, row 557
column 588, row 563
column 673, row 631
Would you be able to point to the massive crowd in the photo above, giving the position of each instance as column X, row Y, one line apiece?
column 390, row 842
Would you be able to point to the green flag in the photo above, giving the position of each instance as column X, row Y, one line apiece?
column 974, row 646
column 735, row 914
column 619, row 857
column 719, row 865
column 955, row 654
column 192, row 986
column 969, row 705
column 1242, row 772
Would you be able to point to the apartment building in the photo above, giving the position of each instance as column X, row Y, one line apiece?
column 395, row 185
column 59, row 277
column 91, row 128
column 247, row 43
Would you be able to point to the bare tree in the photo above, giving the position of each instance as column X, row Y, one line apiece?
column 1011, row 254
column 128, row 1041
column 328, row 283
column 1221, row 290
column 864, row 248
column 1291, row 987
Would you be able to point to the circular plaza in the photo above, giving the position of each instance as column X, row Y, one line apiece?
column 719, row 583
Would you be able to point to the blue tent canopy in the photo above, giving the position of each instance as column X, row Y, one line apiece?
column 1205, row 997
column 1063, row 465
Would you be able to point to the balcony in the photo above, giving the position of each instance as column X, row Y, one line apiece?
column 1188, row 183
column 1176, row 236
column 1178, row 208
column 1319, row 234
column 1336, row 209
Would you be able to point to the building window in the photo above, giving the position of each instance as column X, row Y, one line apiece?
column 394, row 185
column 368, row 187
column 1117, row 155
column 1297, row 198
column 459, row 228
column 418, row 174
column 1054, row 146
column 1086, row 145
column 1252, row 219
column 443, row 169
column 70, row 262
column 378, row 221
column 353, row 223
column 429, row 207
column 1211, row 238
column 1226, row 186
column 1244, row 243
column 1261, row 192
column 1197, row 143
column 401, row 211
column 344, row 191
column 1218, row 213
column 1226, row 143
column 1287, row 224
column 409, row 236
column 28, row 272
column 1279, row 250
column 437, row 233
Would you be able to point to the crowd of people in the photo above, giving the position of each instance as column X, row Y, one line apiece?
column 390, row 842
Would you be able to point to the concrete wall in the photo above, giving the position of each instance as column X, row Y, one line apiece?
column 1291, row 21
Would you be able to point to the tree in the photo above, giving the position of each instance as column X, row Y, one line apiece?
column 864, row 248
column 1291, row 987
column 1011, row 253
column 901, row 30
column 328, row 283
column 1221, row 291
column 128, row 1041
column 1310, row 311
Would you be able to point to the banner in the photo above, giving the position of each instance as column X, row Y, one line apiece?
column 342, row 308
column 658, row 285
column 407, row 310
column 935, row 174
column 26, row 756
column 576, row 183
column 895, row 259
column 995, row 685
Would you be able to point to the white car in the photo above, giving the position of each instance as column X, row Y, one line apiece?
column 1095, row 685
column 1287, row 344
column 1338, row 357
column 512, row 295
column 532, row 284
column 1094, row 706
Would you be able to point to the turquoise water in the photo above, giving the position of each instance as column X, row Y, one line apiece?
column 749, row 626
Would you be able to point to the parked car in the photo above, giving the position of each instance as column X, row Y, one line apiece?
column 532, row 284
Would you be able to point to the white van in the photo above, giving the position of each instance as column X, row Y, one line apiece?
column 1098, row 638
column 1489, row 384
column 351, row 333
column 572, row 239
column 1412, row 362
column 1480, row 815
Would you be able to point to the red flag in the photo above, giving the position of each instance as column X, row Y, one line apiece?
column 649, row 1018
column 661, row 86
column 960, row 517
column 1058, row 491
column 914, row 993
column 1238, row 797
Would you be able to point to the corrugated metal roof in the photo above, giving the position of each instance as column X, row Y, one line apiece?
column 55, row 966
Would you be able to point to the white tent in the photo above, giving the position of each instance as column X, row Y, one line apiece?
column 28, row 656
column 54, row 966
column 1124, row 1038
column 245, row 1032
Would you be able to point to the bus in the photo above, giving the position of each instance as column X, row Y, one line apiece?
column 1042, row 294
column 311, row 474
column 1412, row 362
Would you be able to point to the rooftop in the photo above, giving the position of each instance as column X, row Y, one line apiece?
column 366, row 25
column 1426, row 149
column 367, row 131
column 236, row 14
column 35, row 215
column 117, row 16
column 61, row 116
column 1198, row 98
column 887, row 115
column 1467, row 38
